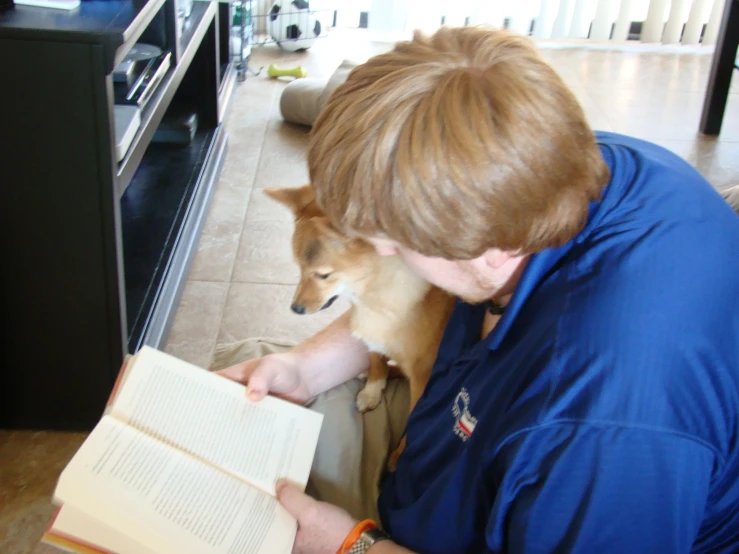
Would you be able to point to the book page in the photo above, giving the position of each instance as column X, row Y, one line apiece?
column 167, row 501
column 70, row 525
column 210, row 417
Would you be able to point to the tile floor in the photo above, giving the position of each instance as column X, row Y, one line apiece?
column 242, row 278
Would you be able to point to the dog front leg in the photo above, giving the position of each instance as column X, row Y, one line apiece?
column 416, row 385
column 417, row 382
column 371, row 395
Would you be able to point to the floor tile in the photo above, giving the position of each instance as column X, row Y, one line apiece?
column 263, row 208
column 30, row 464
column 717, row 160
column 565, row 71
column 250, row 112
column 246, row 127
column 265, row 254
column 219, row 240
column 282, row 167
column 242, row 160
column 261, row 310
column 593, row 112
column 667, row 115
column 730, row 125
column 720, row 165
column 195, row 328
column 283, row 135
column 249, row 96
column 283, row 162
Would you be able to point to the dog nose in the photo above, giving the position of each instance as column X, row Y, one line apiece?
column 298, row 308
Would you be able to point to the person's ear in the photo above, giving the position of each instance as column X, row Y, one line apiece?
column 495, row 259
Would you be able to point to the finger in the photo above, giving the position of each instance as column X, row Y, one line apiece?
column 254, row 374
column 260, row 382
column 293, row 499
column 239, row 372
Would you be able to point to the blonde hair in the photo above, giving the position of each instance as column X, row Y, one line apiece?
column 456, row 143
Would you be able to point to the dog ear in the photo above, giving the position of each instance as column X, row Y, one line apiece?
column 296, row 198
column 325, row 228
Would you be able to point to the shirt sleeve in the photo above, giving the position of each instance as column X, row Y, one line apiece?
column 584, row 488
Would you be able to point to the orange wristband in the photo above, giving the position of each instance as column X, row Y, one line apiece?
column 353, row 537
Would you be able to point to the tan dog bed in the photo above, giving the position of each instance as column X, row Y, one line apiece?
column 302, row 99
column 732, row 197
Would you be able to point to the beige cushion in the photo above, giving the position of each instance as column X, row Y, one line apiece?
column 732, row 197
column 302, row 99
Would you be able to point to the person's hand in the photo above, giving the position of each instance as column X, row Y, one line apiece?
column 278, row 374
column 322, row 527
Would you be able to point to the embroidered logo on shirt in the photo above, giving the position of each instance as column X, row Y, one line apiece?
column 465, row 421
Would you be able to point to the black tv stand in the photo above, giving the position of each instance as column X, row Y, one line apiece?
column 94, row 252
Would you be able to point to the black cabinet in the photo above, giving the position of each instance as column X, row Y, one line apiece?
column 94, row 252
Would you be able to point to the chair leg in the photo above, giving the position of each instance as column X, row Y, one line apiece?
column 722, row 67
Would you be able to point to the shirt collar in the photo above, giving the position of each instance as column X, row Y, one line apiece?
column 541, row 264
column 538, row 266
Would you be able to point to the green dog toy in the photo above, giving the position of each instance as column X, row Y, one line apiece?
column 297, row 72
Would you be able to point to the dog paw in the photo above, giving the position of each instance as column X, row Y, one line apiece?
column 392, row 463
column 371, row 395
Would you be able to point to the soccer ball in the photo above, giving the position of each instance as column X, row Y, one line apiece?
column 292, row 25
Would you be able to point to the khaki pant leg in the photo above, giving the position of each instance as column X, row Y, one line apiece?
column 352, row 448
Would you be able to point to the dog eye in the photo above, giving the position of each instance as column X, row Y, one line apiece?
column 323, row 275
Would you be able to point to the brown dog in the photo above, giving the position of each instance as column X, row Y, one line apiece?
column 399, row 316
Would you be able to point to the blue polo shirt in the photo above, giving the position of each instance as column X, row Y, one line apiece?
column 601, row 415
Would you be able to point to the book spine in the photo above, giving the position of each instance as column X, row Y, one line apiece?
column 118, row 381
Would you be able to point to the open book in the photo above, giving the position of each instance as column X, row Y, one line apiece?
column 182, row 462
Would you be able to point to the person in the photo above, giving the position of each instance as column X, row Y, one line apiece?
column 601, row 412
